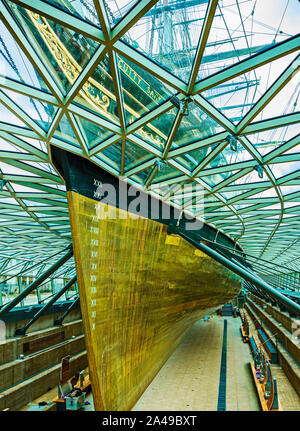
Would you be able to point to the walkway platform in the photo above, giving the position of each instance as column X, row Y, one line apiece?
column 288, row 397
column 189, row 380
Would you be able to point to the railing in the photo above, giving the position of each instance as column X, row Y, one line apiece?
column 39, row 296
column 265, row 382
column 244, row 326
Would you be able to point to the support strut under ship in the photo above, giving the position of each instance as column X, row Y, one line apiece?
column 141, row 284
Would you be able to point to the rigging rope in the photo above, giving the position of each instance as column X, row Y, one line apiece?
column 89, row 8
column 12, row 64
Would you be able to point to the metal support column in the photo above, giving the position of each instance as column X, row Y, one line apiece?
column 20, row 284
column 22, row 331
column 244, row 273
column 6, row 308
column 58, row 322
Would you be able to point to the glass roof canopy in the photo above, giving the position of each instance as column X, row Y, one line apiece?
column 167, row 94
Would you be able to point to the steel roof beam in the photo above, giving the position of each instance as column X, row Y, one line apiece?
column 28, row 48
column 272, row 123
column 206, row 27
column 131, row 18
column 62, row 17
column 266, row 98
column 279, row 50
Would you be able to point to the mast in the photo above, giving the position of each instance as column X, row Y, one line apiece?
column 166, row 41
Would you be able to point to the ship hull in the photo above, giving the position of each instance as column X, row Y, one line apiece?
column 140, row 289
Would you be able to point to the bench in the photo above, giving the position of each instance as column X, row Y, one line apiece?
column 244, row 327
column 271, row 402
column 269, row 347
column 253, row 346
column 245, row 334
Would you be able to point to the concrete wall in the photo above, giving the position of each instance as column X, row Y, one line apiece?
column 16, row 371
column 11, row 349
column 43, row 322
column 280, row 316
column 288, row 364
column 18, row 396
column 283, row 335
column 23, row 380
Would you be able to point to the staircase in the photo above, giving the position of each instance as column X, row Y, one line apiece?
column 227, row 310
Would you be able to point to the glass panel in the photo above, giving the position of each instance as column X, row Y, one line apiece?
column 65, row 132
column 7, row 146
column 117, row 9
column 224, row 158
column 267, row 141
column 228, row 157
column 285, row 102
column 141, row 91
column 141, row 176
column 92, row 133
column 157, row 131
column 166, row 173
column 14, row 64
column 270, row 193
column 286, row 190
column 250, row 181
column 213, row 180
column 63, row 50
column 281, row 169
column 9, row 169
column 169, row 35
column 235, row 97
column 41, row 112
column 295, row 150
column 99, row 92
column 112, row 155
column 240, row 29
column 7, row 116
column 195, row 126
column 44, row 166
column 135, row 156
column 84, row 9
column 192, row 159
